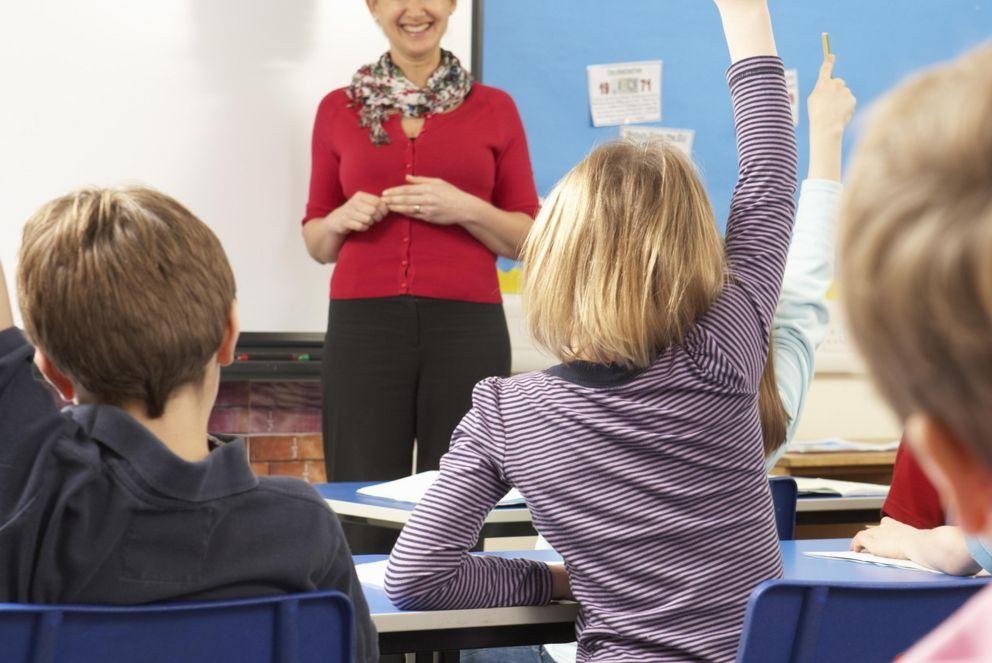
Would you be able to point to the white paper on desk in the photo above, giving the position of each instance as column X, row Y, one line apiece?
column 624, row 92
column 680, row 138
column 412, row 489
column 809, row 486
column 865, row 558
column 838, row 444
column 372, row 573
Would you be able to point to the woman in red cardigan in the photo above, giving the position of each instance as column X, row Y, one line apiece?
column 420, row 178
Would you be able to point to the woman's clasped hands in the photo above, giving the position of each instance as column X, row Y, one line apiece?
column 431, row 199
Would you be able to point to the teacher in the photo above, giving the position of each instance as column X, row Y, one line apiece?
column 420, row 178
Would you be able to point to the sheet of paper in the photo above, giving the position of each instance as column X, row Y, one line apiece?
column 624, row 92
column 838, row 444
column 809, row 486
column 372, row 573
column 792, row 84
column 865, row 558
column 680, row 138
column 412, row 489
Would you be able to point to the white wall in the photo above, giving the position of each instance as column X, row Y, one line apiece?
column 211, row 101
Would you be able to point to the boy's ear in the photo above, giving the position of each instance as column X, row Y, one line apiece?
column 963, row 480
column 54, row 376
column 225, row 354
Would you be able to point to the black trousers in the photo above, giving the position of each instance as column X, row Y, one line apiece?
column 396, row 369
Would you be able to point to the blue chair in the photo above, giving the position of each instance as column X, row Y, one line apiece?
column 291, row 628
column 784, row 493
column 808, row 622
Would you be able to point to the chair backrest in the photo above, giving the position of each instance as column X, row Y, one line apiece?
column 793, row 621
column 292, row 628
column 784, row 493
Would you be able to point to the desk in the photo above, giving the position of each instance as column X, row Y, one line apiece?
column 812, row 512
column 409, row 631
column 866, row 466
column 350, row 505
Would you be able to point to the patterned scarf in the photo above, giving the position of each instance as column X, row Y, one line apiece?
column 381, row 90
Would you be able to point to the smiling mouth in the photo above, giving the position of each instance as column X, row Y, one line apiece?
column 416, row 29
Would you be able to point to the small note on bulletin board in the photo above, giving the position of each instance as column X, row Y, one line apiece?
column 625, row 92
column 792, row 84
column 680, row 138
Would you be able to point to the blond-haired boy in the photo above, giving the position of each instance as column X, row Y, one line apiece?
column 916, row 251
column 123, row 497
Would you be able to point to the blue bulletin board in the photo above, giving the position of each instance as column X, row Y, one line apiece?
column 538, row 50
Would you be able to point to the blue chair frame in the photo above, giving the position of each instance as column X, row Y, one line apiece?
column 291, row 628
column 784, row 496
column 794, row 621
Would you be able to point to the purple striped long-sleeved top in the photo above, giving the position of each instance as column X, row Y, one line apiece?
column 651, row 484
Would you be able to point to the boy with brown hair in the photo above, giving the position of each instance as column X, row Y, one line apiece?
column 916, row 250
column 123, row 497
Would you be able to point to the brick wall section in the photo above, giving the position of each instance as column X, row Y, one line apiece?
column 280, row 422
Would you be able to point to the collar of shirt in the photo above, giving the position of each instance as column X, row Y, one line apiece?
column 224, row 471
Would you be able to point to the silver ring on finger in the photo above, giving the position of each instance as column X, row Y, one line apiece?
column 417, row 209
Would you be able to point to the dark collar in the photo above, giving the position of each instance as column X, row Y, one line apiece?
column 225, row 471
column 588, row 374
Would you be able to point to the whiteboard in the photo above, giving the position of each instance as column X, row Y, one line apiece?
column 211, row 101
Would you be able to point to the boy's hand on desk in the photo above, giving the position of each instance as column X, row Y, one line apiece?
column 888, row 539
column 6, row 315
column 561, row 587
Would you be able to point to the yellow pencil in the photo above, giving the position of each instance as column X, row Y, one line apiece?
column 826, row 44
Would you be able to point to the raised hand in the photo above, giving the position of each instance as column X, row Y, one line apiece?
column 748, row 28
column 831, row 104
column 830, row 107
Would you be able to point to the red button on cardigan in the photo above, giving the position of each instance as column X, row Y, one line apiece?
column 479, row 147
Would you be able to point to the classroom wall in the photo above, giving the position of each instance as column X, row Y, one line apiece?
column 841, row 402
column 211, row 101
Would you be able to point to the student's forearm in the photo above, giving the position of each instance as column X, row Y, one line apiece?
column 943, row 549
column 323, row 243
column 748, row 28
column 502, row 232
column 825, row 154
column 6, row 314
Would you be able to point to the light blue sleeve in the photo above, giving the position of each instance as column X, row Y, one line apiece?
column 980, row 552
column 801, row 317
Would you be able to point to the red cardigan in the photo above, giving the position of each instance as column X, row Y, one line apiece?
column 479, row 147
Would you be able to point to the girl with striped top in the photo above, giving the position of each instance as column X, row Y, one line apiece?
column 801, row 317
column 640, row 456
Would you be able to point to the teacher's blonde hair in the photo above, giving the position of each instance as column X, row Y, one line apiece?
column 623, row 257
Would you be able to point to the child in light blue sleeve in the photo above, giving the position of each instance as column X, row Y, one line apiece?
column 802, row 317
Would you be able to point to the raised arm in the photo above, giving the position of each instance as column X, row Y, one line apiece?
column 802, row 316
column 762, row 207
column 747, row 26
column 430, row 568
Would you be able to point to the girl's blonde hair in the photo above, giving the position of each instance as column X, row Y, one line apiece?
column 623, row 257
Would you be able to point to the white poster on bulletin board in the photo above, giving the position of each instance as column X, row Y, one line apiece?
column 680, row 138
column 625, row 92
column 792, row 85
